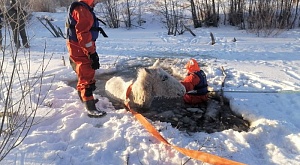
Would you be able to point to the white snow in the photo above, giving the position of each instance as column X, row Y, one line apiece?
column 67, row 136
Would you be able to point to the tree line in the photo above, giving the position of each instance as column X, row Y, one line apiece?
column 263, row 17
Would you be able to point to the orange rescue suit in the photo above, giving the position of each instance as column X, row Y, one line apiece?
column 189, row 83
column 79, row 51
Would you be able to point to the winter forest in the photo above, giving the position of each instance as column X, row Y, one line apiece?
column 262, row 17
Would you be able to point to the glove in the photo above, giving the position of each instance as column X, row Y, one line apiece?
column 95, row 60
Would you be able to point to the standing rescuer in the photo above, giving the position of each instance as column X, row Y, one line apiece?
column 82, row 32
column 195, row 84
column 17, row 18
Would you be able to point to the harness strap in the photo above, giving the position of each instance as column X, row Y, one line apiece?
column 126, row 102
column 197, row 155
column 99, row 29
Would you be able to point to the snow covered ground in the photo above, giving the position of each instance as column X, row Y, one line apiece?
column 67, row 136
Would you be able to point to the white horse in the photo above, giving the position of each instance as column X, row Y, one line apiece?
column 150, row 83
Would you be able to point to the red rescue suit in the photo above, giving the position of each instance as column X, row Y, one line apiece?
column 189, row 83
column 192, row 82
column 79, row 50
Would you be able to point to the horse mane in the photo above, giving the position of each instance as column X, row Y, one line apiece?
column 142, row 88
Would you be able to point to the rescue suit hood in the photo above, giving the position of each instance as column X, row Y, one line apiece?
column 192, row 66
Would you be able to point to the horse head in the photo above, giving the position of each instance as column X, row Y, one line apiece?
column 161, row 84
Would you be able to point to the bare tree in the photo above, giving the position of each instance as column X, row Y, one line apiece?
column 127, row 14
column 236, row 13
column 195, row 15
column 21, row 93
column 131, row 10
column 140, row 20
column 285, row 13
column 264, row 18
column 173, row 17
column 269, row 17
column 207, row 11
column 48, row 5
column 296, row 14
column 43, row 6
column 110, row 11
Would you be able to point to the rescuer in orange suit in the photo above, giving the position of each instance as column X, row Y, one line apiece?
column 195, row 84
column 82, row 31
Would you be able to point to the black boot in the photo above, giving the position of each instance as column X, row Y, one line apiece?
column 79, row 94
column 92, row 110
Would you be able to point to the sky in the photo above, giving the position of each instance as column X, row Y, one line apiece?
column 66, row 135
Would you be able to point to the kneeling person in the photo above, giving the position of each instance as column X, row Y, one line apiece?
column 195, row 84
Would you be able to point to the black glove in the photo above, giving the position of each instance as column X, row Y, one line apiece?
column 95, row 61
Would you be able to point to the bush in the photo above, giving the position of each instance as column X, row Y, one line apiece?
column 48, row 5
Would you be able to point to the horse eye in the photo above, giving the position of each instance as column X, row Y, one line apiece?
column 164, row 77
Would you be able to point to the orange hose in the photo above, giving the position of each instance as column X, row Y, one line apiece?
column 197, row 155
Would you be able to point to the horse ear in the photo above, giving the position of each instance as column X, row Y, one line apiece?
column 156, row 64
column 147, row 70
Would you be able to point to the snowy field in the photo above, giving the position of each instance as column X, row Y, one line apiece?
column 259, row 65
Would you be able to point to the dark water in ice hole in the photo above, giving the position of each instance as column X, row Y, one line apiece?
column 161, row 109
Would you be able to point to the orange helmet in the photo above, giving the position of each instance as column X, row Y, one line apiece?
column 192, row 66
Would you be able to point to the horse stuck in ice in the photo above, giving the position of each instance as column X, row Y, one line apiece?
column 152, row 82
column 157, row 95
